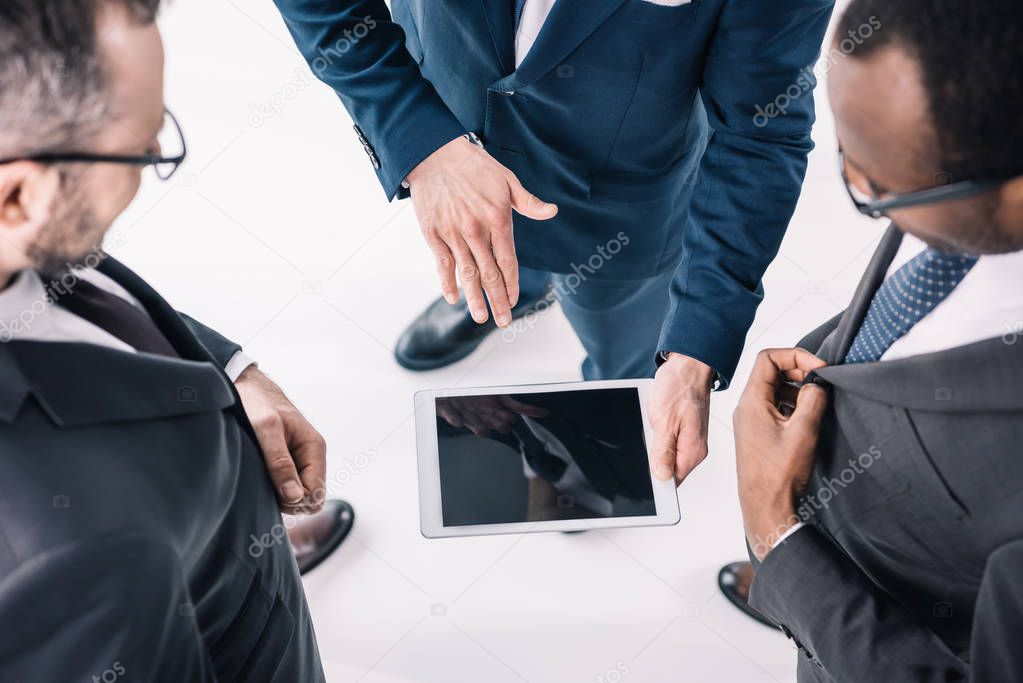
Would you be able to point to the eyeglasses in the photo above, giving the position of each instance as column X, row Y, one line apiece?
column 870, row 201
column 170, row 137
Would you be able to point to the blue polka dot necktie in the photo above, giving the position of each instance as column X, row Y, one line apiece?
column 519, row 4
column 905, row 298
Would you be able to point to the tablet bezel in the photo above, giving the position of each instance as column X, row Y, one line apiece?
column 431, row 514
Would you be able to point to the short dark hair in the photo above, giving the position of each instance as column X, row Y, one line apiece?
column 53, row 86
column 971, row 56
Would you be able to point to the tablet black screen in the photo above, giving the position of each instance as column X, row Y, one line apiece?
column 544, row 456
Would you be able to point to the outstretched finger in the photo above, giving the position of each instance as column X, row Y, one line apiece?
column 492, row 280
column 469, row 274
column 445, row 270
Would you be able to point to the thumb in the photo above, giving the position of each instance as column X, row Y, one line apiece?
column 811, row 403
column 528, row 204
column 662, row 458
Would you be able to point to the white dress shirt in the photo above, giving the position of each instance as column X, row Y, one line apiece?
column 26, row 314
column 534, row 16
column 988, row 303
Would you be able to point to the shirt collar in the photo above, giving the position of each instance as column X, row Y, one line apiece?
column 28, row 313
column 24, row 308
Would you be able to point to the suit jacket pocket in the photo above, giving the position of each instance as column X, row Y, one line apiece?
column 230, row 651
column 252, row 645
column 265, row 658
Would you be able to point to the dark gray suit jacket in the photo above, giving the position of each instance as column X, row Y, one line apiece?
column 139, row 533
column 912, row 566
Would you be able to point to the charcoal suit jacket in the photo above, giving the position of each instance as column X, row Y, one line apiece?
column 911, row 568
column 140, row 537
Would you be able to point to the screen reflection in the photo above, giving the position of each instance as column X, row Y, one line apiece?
column 543, row 456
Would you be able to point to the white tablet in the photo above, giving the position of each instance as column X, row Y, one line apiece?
column 545, row 457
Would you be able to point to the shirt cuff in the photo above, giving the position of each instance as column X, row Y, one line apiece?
column 238, row 364
column 793, row 529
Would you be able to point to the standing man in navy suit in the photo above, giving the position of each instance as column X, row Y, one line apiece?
column 667, row 140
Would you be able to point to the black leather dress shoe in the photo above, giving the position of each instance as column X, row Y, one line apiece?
column 734, row 580
column 444, row 334
column 314, row 537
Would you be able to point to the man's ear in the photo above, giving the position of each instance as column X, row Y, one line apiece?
column 27, row 194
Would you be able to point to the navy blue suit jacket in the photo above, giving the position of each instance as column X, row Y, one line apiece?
column 649, row 126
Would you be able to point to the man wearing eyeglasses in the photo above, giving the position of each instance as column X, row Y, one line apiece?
column 883, row 502
column 140, row 533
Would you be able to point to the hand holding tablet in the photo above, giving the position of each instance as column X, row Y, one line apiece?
column 555, row 457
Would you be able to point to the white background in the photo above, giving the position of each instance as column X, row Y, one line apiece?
column 277, row 233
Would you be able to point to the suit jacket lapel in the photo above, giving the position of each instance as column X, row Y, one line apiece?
column 166, row 318
column 568, row 25
column 983, row 377
column 837, row 347
column 72, row 381
column 501, row 22
column 181, row 337
column 14, row 387
column 84, row 384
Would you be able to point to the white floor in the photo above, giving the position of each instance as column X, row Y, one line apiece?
column 277, row 233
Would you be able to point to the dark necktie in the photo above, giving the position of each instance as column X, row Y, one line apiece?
column 519, row 4
column 113, row 314
column 905, row 299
